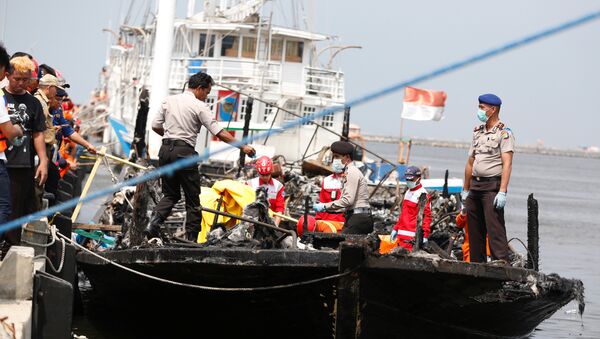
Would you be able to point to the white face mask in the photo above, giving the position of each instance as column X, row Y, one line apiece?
column 337, row 166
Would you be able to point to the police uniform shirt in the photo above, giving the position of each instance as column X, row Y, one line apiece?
column 354, row 194
column 182, row 115
column 487, row 148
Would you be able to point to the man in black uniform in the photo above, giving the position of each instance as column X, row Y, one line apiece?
column 179, row 121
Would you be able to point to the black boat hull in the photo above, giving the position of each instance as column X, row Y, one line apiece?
column 402, row 296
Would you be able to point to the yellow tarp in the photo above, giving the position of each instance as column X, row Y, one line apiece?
column 236, row 196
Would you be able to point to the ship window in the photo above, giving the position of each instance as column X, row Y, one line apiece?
column 291, row 106
column 210, row 101
column 294, row 51
column 248, row 47
column 328, row 120
column 202, row 45
column 242, row 108
column 268, row 112
column 229, row 46
column 276, row 49
column 308, row 111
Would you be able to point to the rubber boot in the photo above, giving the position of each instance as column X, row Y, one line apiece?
column 192, row 236
column 153, row 228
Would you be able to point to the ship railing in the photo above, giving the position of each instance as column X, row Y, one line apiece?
column 324, row 83
column 232, row 71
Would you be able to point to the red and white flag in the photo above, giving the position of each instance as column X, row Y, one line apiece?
column 423, row 104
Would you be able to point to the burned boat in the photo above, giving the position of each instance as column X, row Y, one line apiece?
column 325, row 284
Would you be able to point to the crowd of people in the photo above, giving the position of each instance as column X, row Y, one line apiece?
column 39, row 139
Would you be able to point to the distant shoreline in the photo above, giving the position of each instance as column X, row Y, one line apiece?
column 462, row 144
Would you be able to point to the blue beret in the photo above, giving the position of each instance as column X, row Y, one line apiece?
column 490, row 99
column 412, row 172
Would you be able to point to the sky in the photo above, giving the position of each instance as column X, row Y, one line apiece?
column 548, row 88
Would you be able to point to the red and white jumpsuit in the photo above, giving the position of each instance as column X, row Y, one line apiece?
column 407, row 222
column 274, row 190
column 331, row 190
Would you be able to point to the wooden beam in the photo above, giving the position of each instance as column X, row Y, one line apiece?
column 87, row 185
column 112, row 228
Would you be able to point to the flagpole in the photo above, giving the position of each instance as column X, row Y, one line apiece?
column 400, row 146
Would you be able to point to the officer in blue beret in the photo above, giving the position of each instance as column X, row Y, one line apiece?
column 487, row 174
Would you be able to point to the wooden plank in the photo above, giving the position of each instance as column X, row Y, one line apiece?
column 113, row 228
column 88, row 183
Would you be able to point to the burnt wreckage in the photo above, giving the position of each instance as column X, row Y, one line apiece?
column 332, row 283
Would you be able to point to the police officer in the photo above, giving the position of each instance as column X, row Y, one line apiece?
column 487, row 174
column 179, row 121
column 354, row 199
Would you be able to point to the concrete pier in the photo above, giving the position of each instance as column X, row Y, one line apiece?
column 16, row 293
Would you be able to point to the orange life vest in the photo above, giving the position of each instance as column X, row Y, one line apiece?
column 2, row 136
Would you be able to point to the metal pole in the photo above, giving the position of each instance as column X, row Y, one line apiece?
column 256, row 222
column 533, row 236
column 271, row 127
column 247, row 117
column 419, row 231
column 310, row 142
column 445, row 189
column 346, row 125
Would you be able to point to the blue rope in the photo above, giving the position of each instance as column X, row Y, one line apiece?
column 186, row 162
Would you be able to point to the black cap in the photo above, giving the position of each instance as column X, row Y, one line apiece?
column 342, row 147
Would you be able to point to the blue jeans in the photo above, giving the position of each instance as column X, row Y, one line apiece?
column 4, row 194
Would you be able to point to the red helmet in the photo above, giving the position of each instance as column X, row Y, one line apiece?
column 264, row 165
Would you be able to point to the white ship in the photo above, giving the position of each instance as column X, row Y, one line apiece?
column 242, row 49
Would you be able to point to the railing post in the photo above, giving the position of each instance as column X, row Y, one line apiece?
column 533, row 237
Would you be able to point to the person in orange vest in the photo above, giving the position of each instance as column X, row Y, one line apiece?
column 461, row 222
column 275, row 189
column 331, row 190
column 404, row 230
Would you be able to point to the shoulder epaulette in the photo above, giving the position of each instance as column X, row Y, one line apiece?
column 478, row 128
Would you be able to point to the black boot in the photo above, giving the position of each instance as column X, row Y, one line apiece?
column 153, row 228
column 191, row 236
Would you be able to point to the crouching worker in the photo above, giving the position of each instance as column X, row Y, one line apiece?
column 404, row 230
column 275, row 189
column 331, row 190
column 354, row 197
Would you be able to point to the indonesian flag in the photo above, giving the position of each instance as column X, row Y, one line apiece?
column 423, row 104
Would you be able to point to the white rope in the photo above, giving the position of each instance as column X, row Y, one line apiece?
column 209, row 288
column 53, row 232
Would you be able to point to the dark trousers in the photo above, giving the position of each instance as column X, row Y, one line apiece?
column 359, row 223
column 4, row 193
column 22, row 194
column 188, row 178
column 484, row 219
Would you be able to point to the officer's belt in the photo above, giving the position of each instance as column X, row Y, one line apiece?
column 175, row 142
column 359, row 210
column 496, row 178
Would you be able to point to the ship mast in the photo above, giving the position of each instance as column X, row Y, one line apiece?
column 163, row 46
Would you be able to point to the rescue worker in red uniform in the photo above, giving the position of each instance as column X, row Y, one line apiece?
column 331, row 190
column 275, row 189
column 404, row 230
